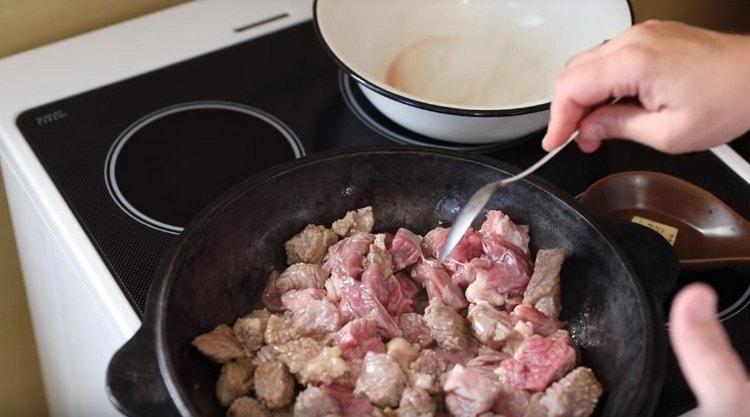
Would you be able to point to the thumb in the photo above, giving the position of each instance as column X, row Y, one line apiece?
column 711, row 367
column 619, row 121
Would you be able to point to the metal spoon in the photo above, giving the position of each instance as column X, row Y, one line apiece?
column 480, row 198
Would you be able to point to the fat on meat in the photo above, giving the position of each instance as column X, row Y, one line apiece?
column 537, row 362
column 360, row 220
column 358, row 302
column 314, row 402
column 448, row 328
column 499, row 224
column 381, row 380
column 496, row 285
column 358, row 337
column 402, row 352
column 220, row 345
column 280, row 329
column 470, row 392
column 541, row 324
column 489, row 325
column 346, row 258
column 406, row 249
column 435, row 279
column 309, row 245
column 297, row 353
column 543, row 290
column 378, row 254
column 274, row 385
column 416, row 402
column 415, row 330
column 466, row 273
column 247, row 407
column 313, row 313
column 575, row 395
column 249, row 329
column 235, row 380
column 325, row 368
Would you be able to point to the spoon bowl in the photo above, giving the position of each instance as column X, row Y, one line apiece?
column 705, row 232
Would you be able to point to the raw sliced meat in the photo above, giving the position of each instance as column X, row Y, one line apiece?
column 498, row 224
column 430, row 240
column 300, row 276
column 360, row 220
column 495, row 286
column 314, row 314
column 406, row 249
column 351, row 405
column 438, row 284
column 358, row 302
column 482, row 292
column 466, row 273
column 345, row 258
column 415, row 330
column 401, row 294
column 468, row 248
column 358, row 337
column 378, row 254
column 375, row 281
column 543, row 290
column 309, row 245
column 538, row 362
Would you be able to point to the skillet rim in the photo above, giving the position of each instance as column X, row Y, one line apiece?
column 154, row 315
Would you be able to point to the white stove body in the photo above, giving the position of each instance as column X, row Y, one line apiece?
column 80, row 315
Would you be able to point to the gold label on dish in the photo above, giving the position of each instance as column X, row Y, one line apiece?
column 666, row 231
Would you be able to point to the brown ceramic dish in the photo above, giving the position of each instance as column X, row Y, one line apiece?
column 709, row 234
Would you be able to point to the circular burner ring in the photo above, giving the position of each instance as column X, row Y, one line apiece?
column 110, row 177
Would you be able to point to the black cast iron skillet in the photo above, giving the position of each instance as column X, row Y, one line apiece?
column 216, row 271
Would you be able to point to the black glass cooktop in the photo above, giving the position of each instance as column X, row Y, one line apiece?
column 136, row 160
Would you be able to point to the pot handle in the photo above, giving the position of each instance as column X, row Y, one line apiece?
column 134, row 382
column 653, row 259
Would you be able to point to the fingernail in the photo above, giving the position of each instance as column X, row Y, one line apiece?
column 703, row 309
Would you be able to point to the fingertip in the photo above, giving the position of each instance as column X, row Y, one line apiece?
column 589, row 146
column 696, row 302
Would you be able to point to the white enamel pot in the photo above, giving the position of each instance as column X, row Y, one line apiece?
column 465, row 71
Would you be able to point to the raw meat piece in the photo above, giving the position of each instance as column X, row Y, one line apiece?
column 314, row 314
column 274, row 385
column 250, row 328
column 314, row 402
column 235, row 380
column 480, row 291
column 461, row 356
column 438, row 284
column 296, row 354
column 300, row 276
column 358, row 302
column 498, row 224
column 271, row 294
column 429, row 241
column 448, row 328
column 333, row 288
column 401, row 292
column 280, row 329
column 466, row 273
column 379, row 254
column 220, row 345
column 488, row 360
column 247, row 407
column 490, row 326
column 345, row 258
column 375, row 282
column 360, row 220
column 402, row 352
column 542, row 324
column 351, row 405
column 425, row 371
column 537, row 362
column 499, row 250
column 521, row 331
column 469, row 391
column 468, row 248
column 326, row 367
column 405, row 249
column 543, row 291
column 381, row 380
column 415, row 330
column 416, row 402
column 358, row 337
column 309, row 245
column 575, row 395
